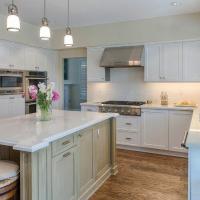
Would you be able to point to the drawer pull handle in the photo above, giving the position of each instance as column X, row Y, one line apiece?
column 128, row 138
column 183, row 144
column 89, row 109
column 128, row 123
column 66, row 142
column 66, row 155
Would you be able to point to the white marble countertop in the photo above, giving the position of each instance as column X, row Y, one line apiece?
column 27, row 133
column 91, row 103
column 167, row 107
column 148, row 106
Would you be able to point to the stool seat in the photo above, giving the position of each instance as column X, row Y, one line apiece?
column 8, row 170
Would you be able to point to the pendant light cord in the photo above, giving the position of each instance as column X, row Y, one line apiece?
column 68, row 17
column 44, row 8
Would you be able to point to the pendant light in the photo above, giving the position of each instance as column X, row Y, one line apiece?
column 68, row 39
column 45, row 33
column 13, row 21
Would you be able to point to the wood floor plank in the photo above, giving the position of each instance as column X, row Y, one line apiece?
column 144, row 176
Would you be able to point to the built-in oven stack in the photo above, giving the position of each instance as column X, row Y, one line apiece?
column 32, row 78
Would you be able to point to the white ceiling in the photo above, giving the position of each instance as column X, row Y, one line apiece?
column 91, row 12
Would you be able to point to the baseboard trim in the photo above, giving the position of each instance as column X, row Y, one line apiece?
column 155, row 151
column 97, row 184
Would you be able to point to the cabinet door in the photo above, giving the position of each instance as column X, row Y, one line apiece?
column 179, row 123
column 101, row 148
column 16, row 106
column 30, row 58
column 17, row 56
column 4, row 55
column 4, row 108
column 152, row 62
column 86, row 160
column 191, row 60
column 64, row 175
column 171, row 61
column 155, row 129
column 95, row 73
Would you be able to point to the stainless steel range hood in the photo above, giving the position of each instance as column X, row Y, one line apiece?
column 131, row 56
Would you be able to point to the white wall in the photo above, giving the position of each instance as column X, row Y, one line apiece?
column 128, row 84
column 178, row 27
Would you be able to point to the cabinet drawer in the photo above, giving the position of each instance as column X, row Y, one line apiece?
column 90, row 108
column 62, row 144
column 128, row 138
column 128, row 123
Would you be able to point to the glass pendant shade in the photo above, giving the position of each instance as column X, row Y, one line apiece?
column 45, row 33
column 68, row 39
column 13, row 21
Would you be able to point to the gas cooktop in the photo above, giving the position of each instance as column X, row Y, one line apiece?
column 122, row 107
column 124, row 103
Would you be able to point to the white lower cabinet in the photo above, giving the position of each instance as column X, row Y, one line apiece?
column 128, row 130
column 164, row 130
column 179, row 123
column 64, row 175
column 11, row 106
column 155, row 129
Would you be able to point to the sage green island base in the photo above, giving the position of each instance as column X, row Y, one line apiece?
column 72, row 167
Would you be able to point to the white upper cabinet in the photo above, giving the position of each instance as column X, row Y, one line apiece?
column 95, row 73
column 163, row 62
column 171, row 61
column 4, row 54
column 11, row 55
column 17, row 56
column 191, row 60
column 152, row 62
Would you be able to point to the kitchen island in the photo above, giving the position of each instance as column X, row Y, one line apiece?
column 67, row 158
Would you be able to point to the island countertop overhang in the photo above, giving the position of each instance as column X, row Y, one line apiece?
column 26, row 133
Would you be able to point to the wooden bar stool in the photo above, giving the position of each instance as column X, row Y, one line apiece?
column 9, row 175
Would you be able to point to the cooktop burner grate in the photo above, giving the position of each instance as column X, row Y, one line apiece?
column 127, row 103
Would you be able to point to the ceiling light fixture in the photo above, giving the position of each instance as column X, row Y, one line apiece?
column 45, row 33
column 68, row 39
column 174, row 3
column 13, row 21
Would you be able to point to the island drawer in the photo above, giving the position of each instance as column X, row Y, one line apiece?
column 62, row 144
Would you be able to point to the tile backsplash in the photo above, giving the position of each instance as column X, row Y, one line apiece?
column 128, row 84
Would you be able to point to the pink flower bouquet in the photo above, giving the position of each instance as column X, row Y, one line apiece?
column 44, row 95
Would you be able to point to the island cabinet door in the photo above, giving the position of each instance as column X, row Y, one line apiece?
column 85, row 160
column 102, row 148
column 64, row 175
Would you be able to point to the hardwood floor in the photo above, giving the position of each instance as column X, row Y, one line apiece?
column 144, row 176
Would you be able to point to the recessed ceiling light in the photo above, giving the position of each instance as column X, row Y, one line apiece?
column 174, row 3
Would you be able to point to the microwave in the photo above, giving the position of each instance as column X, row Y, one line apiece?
column 11, row 82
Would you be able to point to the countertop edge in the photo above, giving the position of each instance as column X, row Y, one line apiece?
column 45, row 143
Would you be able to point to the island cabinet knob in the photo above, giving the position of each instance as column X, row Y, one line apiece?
column 65, row 142
column 128, row 123
column 80, row 135
column 66, row 154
